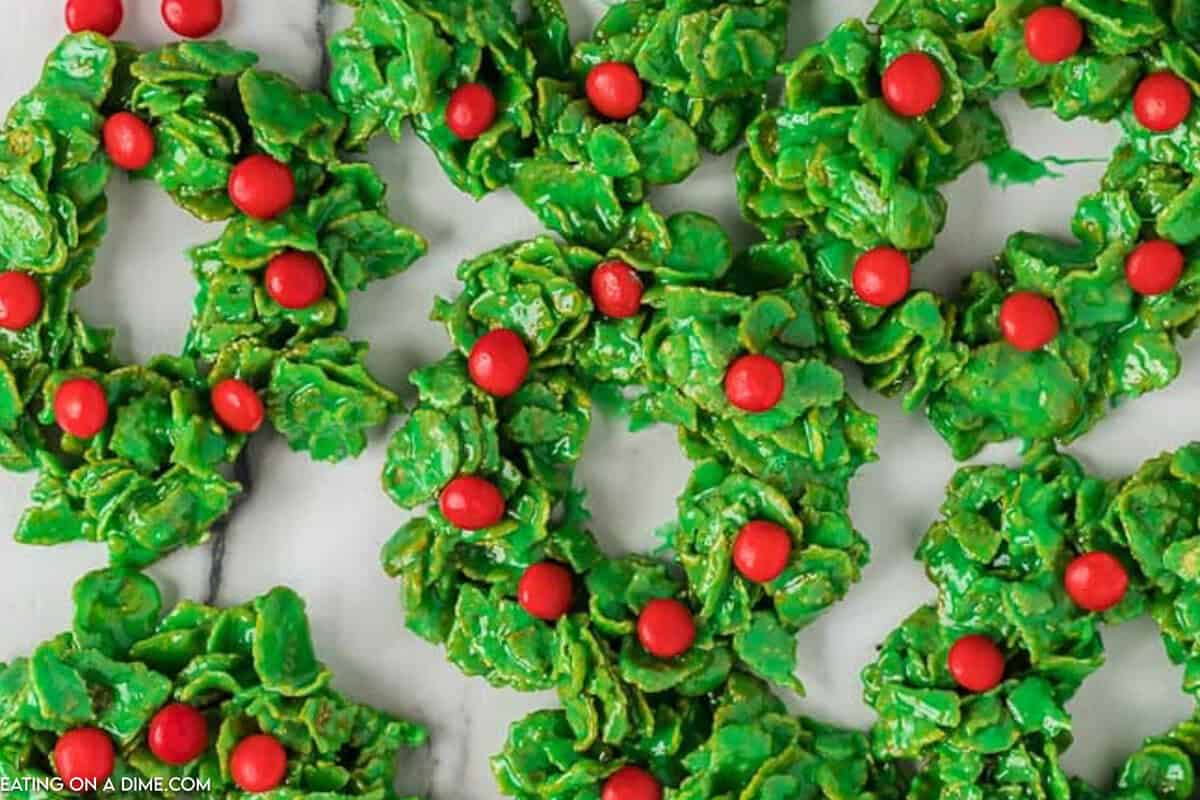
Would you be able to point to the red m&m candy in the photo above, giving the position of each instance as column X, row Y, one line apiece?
column 470, row 111
column 192, row 18
column 262, row 187
column 614, row 90
column 84, row 754
column 20, row 301
column 128, row 140
column 238, row 406
column 1162, row 101
column 762, row 550
column 754, row 383
column 545, row 590
column 178, row 734
column 665, row 628
column 976, row 663
column 472, row 503
column 912, row 85
column 1028, row 321
column 81, row 407
column 100, row 16
column 882, row 276
column 499, row 362
column 631, row 783
column 1096, row 581
column 258, row 763
column 1154, row 267
column 295, row 279
column 1053, row 34
column 617, row 289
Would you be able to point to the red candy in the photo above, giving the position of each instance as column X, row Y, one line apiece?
column 258, row 763
column 912, row 84
column 631, row 783
column 614, row 89
column 238, row 406
column 1154, row 267
column 976, row 663
column 882, row 276
column 545, row 590
column 754, row 383
column 128, row 140
column 1162, row 101
column 261, row 187
column 762, row 550
column 499, row 362
column 665, row 628
column 616, row 289
column 192, row 18
column 1096, row 581
column 471, row 111
column 20, row 301
column 1053, row 34
column 295, row 279
column 81, row 407
column 178, row 734
column 1028, row 321
column 472, row 503
column 82, row 755
column 101, row 16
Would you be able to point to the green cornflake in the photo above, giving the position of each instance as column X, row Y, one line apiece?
column 154, row 479
column 248, row 669
column 831, row 166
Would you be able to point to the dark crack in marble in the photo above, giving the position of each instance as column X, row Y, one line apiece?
column 324, row 14
column 220, row 531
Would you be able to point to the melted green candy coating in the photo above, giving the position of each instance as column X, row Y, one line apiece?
column 997, row 556
column 833, row 166
column 249, row 669
column 154, row 478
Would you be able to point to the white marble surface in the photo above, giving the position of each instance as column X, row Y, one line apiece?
column 319, row 528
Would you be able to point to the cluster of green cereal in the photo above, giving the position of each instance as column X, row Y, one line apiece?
column 998, row 557
column 248, row 670
column 834, row 166
column 153, row 478
column 704, row 66
column 738, row 743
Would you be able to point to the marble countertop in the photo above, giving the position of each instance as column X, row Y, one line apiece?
column 319, row 528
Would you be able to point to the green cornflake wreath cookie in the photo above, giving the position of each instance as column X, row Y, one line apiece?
column 207, row 702
column 1029, row 562
column 875, row 118
column 135, row 456
column 504, row 571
